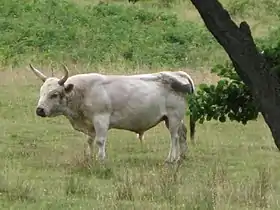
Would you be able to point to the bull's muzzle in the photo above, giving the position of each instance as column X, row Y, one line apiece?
column 40, row 112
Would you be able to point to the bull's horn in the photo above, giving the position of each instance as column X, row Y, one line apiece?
column 65, row 77
column 38, row 73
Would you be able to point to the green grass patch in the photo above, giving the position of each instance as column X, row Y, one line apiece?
column 61, row 30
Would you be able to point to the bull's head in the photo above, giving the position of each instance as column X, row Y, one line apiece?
column 52, row 101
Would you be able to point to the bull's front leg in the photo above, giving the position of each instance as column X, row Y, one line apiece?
column 101, row 125
column 173, row 127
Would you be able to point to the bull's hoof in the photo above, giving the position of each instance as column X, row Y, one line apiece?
column 88, row 157
column 87, row 161
column 100, row 159
column 183, row 156
column 179, row 160
column 170, row 161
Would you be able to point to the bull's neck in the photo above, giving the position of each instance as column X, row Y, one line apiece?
column 73, row 105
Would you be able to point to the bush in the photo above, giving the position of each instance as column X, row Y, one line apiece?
column 230, row 97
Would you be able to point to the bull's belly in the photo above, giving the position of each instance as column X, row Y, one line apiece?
column 136, row 122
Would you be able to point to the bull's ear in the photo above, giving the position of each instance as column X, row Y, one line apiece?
column 68, row 88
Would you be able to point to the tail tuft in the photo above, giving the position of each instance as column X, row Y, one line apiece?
column 192, row 128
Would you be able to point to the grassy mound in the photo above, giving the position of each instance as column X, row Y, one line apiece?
column 57, row 30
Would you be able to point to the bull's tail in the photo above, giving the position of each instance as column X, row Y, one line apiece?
column 192, row 128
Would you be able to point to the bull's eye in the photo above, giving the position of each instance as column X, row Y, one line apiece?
column 55, row 95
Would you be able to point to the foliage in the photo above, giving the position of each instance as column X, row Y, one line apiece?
column 58, row 30
column 230, row 97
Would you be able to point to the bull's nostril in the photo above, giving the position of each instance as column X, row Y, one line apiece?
column 40, row 112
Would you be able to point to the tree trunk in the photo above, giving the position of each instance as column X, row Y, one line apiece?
column 249, row 64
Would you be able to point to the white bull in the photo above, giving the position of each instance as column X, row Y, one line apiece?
column 95, row 103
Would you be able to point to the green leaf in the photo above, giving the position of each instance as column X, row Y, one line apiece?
column 222, row 119
column 201, row 120
column 208, row 117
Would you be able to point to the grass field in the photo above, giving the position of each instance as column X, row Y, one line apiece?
column 231, row 166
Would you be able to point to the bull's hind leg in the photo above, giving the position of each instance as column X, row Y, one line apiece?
column 173, row 124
